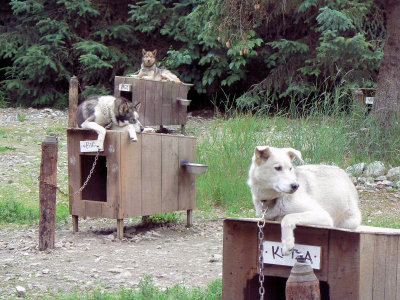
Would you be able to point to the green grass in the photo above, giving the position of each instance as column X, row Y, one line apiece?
column 5, row 148
column 13, row 208
column 337, row 138
column 147, row 291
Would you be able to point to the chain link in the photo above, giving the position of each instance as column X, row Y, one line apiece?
column 83, row 185
column 260, row 262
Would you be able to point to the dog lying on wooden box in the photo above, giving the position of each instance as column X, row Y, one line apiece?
column 300, row 195
column 149, row 69
column 98, row 112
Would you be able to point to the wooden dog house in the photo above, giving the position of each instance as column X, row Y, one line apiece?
column 162, row 102
column 362, row 264
column 153, row 175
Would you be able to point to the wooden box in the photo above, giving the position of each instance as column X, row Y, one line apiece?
column 160, row 101
column 355, row 265
column 130, row 178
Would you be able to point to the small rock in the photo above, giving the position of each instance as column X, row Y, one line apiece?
column 393, row 174
column 45, row 271
column 362, row 180
column 116, row 270
column 356, row 170
column 375, row 169
column 215, row 258
column 380, row 178
column 387, row 182
column 21, row 291
column 124, row 274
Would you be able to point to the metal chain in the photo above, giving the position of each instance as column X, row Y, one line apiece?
column 260, row 262
column 89, row 176
column 84, row 184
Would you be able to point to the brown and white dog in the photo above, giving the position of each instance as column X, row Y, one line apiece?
column 149, row 70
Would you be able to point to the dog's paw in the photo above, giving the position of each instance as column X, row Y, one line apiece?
column 287, row 246
column 148, row 129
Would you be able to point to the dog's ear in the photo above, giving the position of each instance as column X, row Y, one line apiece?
column 155, row 52
column 125, row 108
column 144, row 51
column 294, row 153
column 137, row 106
column 262, row 152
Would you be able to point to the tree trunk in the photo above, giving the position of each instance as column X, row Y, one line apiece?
column 387, row 97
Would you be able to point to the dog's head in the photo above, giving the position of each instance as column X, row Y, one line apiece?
column 128, row 113
column 149, row 58
column 273, row 168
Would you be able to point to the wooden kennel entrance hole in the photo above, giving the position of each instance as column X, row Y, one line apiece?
column 362, row 264
column 131, row 178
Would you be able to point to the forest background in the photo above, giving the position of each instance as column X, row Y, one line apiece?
column 259, row 53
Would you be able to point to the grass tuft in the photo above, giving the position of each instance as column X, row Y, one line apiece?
column 148, row 291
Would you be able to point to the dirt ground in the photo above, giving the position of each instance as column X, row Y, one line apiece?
column 94, row 259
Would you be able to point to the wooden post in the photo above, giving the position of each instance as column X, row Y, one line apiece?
column 75, row 223
column 120, row 228
column 189, row 218
column 302, row 282
column 73, row 102
column 47, row 192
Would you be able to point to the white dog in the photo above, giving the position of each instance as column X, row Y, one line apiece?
column 308, row 194
column 98, row 112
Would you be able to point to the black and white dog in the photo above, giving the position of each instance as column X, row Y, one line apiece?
column 98, row 112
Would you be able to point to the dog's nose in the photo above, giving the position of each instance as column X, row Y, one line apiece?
column 294, row 186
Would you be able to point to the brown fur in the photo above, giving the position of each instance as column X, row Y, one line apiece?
column 151, row 71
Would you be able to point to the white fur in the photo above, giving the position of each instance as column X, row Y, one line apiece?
column 325, row 194
column 104, row 115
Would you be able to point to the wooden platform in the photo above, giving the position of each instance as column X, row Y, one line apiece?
column 131, row 178
column 160, row 105
column 355, row 265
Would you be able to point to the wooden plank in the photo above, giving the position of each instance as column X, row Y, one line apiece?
column 170, row 173
column 131, row 176
column 378, row 286
column 93, row 208
column 120, row 228
column 187, row 182
column 76, row 207
column 344, row 261
column 112, row 149
column 304, row 235
column 174, row 104
column 239, row 260
column 73, row 101
column 391, row 267
column 158, row 103
column 75, row 223
column 151, row 174
column 367, row 249
column 117, row 81
column 182, row 109
column 149, row 92
column 139, row 95
column 166, row 103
